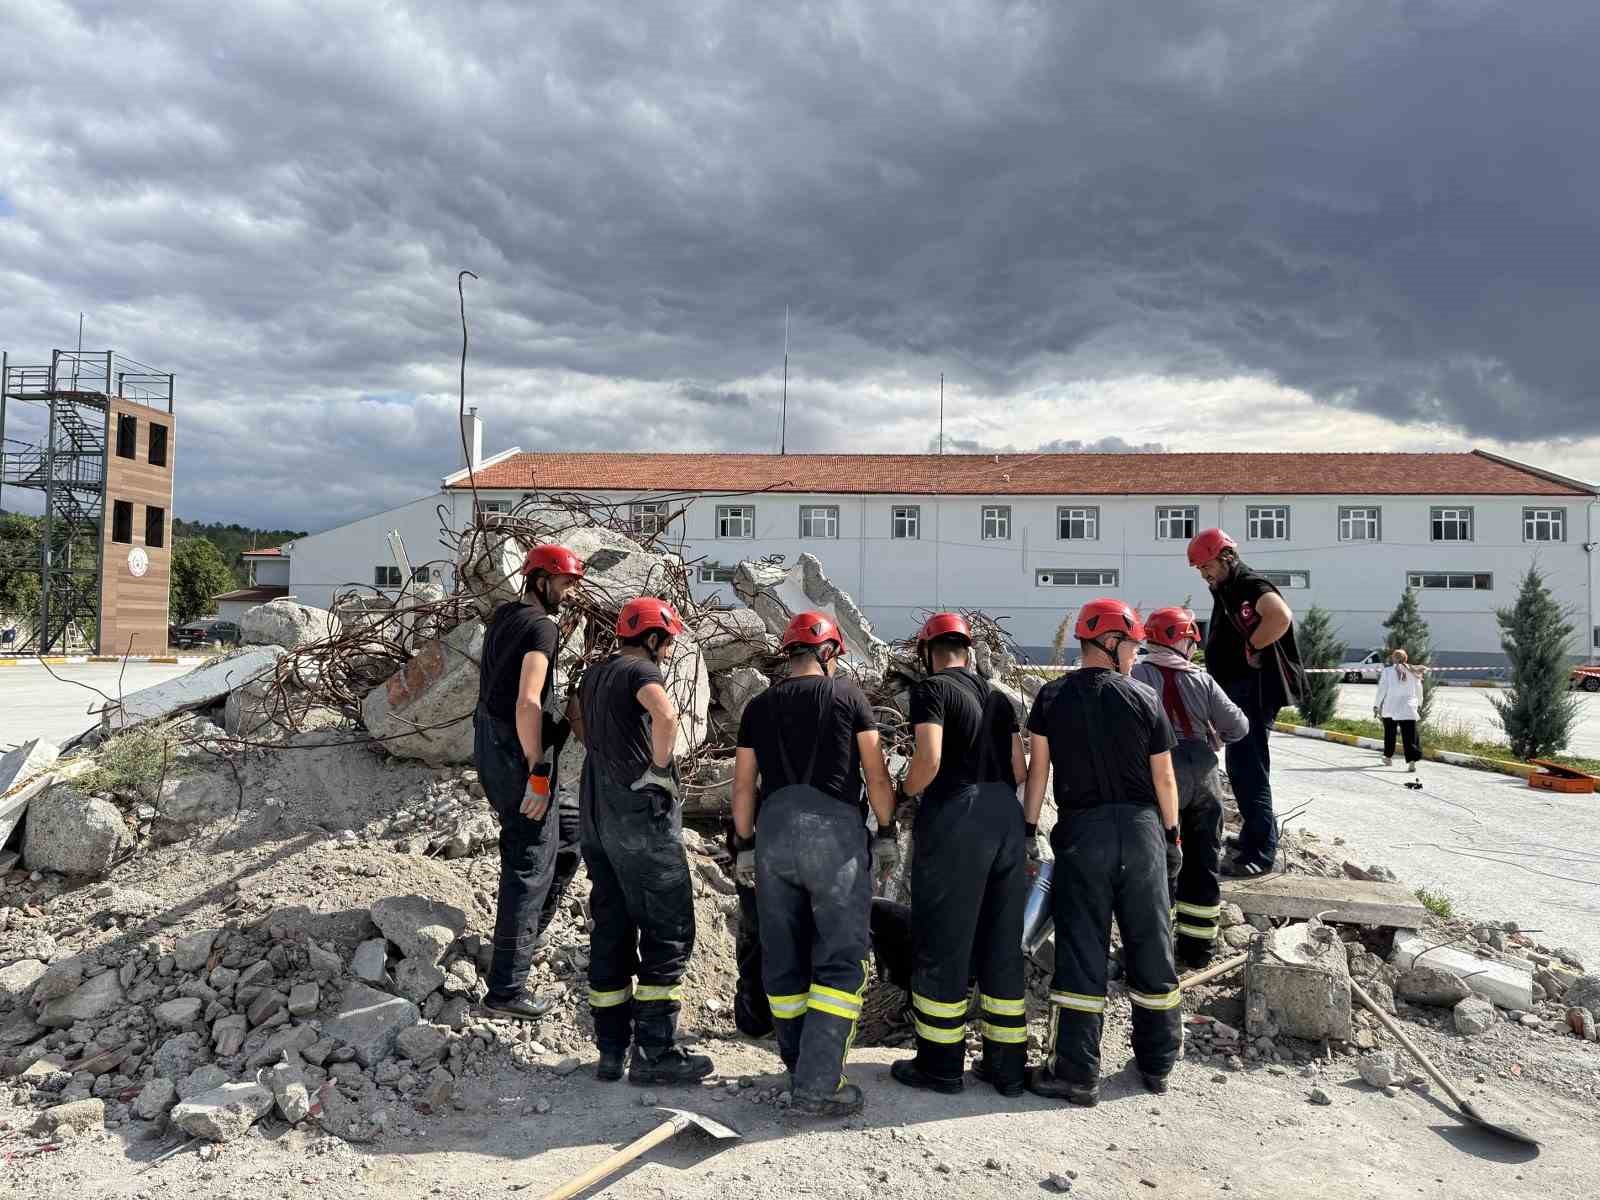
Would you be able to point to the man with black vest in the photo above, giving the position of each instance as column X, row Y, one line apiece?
column 802, row 843
column 969, row 869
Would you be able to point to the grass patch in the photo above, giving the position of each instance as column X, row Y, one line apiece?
column 1454, row 736
column 130, row 762
column 1437, row 903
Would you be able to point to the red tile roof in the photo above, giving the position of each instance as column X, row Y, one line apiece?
column 270, row 552
column 261, row 594
column 1473, row 473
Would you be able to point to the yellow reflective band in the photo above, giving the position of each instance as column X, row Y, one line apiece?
column 1206, row 933
column 658, row 991
column 939, row 1008
column 787, row 1007
column 1159, row 1003
column 833, row 1009
column 1078, row 1003
column 849, row 999
column 609, row 999
column 1204, row 911
column 933, row 1033
column 1013, row 1034
column 1004, row 1008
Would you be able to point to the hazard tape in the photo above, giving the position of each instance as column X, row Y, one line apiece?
column 70, row 660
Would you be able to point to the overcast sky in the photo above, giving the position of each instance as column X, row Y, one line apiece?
column 1228, row 225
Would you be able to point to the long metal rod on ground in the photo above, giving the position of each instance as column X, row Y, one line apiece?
column 1213, row 971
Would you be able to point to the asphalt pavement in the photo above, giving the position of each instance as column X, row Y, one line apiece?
column 1474, row 708
column 56, row 702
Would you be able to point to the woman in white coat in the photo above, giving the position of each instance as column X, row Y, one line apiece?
column 1399, row 704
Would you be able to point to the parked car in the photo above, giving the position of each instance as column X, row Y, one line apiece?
column 1587, row 677
column 205, row 631
column 1365, row 670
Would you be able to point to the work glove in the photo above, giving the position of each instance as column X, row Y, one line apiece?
column 744, row 861
column 885, row 851
column 536, row 798
column 665, row 778
column 1174, row 859
column 1253, row 658
column 1031, row 845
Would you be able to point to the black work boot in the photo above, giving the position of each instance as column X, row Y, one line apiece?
column 1193, row 954
column 907, row 1072
column 667, row 1067
column 1042, row 1083
column 521, row 1007
column 1154, row 1083
column 982, row 1073
column 847, row 1101
column 609, row 1068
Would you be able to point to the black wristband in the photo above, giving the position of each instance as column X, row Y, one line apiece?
column 542, row 767
column 891, row 830
column 1030, row 828
column 741, row 844
column 1172, row 835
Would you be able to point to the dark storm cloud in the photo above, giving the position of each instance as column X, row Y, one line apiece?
column 1387, row 206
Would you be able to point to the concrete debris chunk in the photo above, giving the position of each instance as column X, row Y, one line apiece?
column 733, row 637
column 424, row 710
column 737, row 688
column 324, row 964
column 1509, row 985
column 95, row 998
column 61, row 978
column 1424, row 984
column 777, row 595
column 20, row 769
column 72, row 833
column 1297, row 986
column 417, row 980
column 78, row 1115
column 491, row 572
column 224, row 1113
column 228, row 1034
column 368, row 1021
column 179, row 1013
column 18, row 979
column 422, row 1043
column 370, row 962
column 1584, row 992
column 193, row 950
column 304, row 999
column 1382, row 1069
column 202, row 1079
column 1350, row 901
column 1473, row 1016
column 263, row 710
column 420, row 927
column 287, row 623
column 154, row 1099
column 200, row 687
column 288, row 1083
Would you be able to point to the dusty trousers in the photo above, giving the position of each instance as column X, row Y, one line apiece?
column 1111, row 861
column 813, row 893
column 642, row 905
column 1198, row 898
column 527, row 853
column 969, row 886
column 751, row 1016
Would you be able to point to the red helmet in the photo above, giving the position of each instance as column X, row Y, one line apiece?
column 552, row 560
column 1169, row 626
column 1207, row 544
column 1100, row 617
column 813, row 629
column 645, row 613
column 945, row 624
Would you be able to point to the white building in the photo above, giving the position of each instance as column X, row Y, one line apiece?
column 1029, row 538
column 269, row 579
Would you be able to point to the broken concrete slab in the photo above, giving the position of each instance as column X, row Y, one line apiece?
column 491, row 573
column 154, row 1099
column 17, row 980
column 368, row 1021
column 18, row 768
column 689, row 685
column 777, row 595
column 424, row 710
column 420, row 927
column 736, row 688
column 198, row 798
column 75, row 834
column 261, row 712
column 204, row 685
column 286, row 623
column 224, row 1113
column 1348, row 901
column 1433, row 986
column 1473, row 1016
column 1297, row 985
column 89, row 1000
column 733, row 637
column 1508, row 985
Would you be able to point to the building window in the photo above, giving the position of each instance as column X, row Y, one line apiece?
column 1544, row 524
column 1267, row 523
column 736, row 521
column 419, row 575
column 1451, row 524
column 155, row 525
column 648, row 517
column 1360, row 524
column 906, row 521
column 1077, row 524
column 158, row 445
column 386, row 576
column 711, row 572
column 1451, row 581
column 1177, row 523
column 122, row 521
column 1075, row 577
column 819, row 520
column 996, row 526
column 127, row 435
column 1288, row 579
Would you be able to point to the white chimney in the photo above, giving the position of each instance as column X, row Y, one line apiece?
column 472, row 435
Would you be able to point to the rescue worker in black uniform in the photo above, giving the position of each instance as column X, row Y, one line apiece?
column 969, row 869
column 516, row 743
column 640, row 896
column 803, row 843
column 1116, row 854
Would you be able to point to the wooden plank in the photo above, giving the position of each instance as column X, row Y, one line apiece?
column 1352, row 901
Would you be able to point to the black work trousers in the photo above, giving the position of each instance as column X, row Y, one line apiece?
column 813, row 892
column 642, row 905
column 969, row 886
column 1408, row 734
column 751, row 1015
column 1250, row 772
column 1198, row 898
column 568, row 858
column 1111, row 861
column 527, row 853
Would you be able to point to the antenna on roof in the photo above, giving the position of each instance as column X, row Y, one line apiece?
column 941, row 412
column 783, row 427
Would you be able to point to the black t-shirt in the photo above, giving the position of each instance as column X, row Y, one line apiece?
column 786, row 719
column 1234, row 617
column 616, row 726
column 955, row 699
column 1133, row 729
column 515, row 629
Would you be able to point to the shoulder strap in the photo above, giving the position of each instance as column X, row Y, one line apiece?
column 829, row 697
column 1172, row 701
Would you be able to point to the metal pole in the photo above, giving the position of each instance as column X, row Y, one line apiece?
column 42, row 634
column 941, row 412
column 5, row 386
column 783, row 428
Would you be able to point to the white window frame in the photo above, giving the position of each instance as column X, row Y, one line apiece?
column 1186, row 516
column 1370, row 517
column 1095, row 577
column 827, row 514
column 1281, row 578
column 711, row 572
column 1456, row 514
column 648, row 517
column 905, row 522
column 738, row 517
column 1552, row 519
column 1085, row 515
column 386, row 576
column 1417, row 581
column 1259, row 517
column 995, row 523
